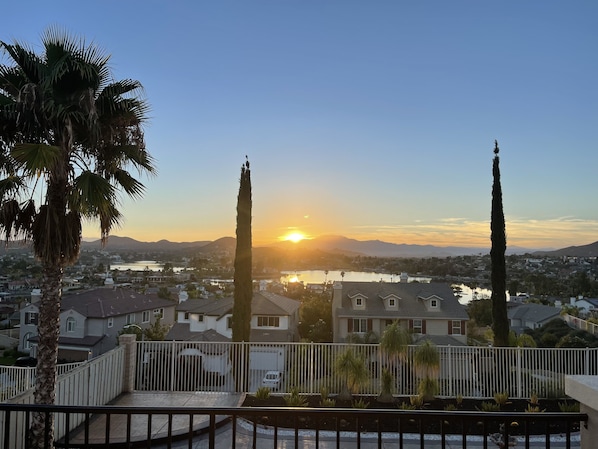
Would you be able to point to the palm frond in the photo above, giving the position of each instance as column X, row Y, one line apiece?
column 130, row 185
column 36, row 158
column 9, row 212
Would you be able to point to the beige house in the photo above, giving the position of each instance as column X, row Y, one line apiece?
column 428, row 310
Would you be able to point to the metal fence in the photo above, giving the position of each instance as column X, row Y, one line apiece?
column 92, row 383
column 309, row 368
column 244, row 427
column 15, row 380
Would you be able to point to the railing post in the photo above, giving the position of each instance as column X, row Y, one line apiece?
column 128, row 341
column 519, row 375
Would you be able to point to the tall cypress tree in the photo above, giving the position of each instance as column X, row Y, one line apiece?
column 241, row 324
column 500, row 321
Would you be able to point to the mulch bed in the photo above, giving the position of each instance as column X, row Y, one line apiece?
column 395, row 424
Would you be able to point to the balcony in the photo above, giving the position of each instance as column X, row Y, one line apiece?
column 170, row 373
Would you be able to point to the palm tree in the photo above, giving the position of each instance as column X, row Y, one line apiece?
column 394, row 345
column 426, row 361
column 352, row 368
column 69, row 135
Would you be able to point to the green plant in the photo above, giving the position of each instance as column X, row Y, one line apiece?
column 427, row 368
column 569, row 407
column 450, row 407
column 386, row 390
column 406, row 406
column 262, row 393
column 328, row 402
column 501, row 398
column 459, row 399
column 323, row 393
column 294, row 399
column 488, row 406
column 428, row 388
column 533, row 409
column 353, row 370
column 416, row 400
column 360, row 403
column 533, row 400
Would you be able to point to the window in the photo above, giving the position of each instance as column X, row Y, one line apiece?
column 358, row 302
column 130, row 318
column 200, row 317
column 187, row 315
column 159, row 312
column 26, row 342
column 70, row 324
column 31, row 318
column 268, row 321
column 145, row 316
column 456, row 327
column 359, row 325
column 110, row 322
column 392, row 302
column 229, row 322
column 417, row 327
column 434, row 303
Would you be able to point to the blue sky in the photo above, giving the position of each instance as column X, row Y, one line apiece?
column 373, row 120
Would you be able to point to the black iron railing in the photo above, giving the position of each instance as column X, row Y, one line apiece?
column 128, row 427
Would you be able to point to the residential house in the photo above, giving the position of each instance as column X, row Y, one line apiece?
column 530, row 316
column 274, row 318
column 428, row 310
column 91, row 320
column 586, row 306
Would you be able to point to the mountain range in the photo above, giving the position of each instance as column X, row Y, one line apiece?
column 333, row 244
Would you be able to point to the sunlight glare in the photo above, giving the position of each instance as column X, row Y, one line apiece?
column 294, row 237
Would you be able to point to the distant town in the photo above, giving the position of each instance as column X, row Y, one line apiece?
column 187, row 291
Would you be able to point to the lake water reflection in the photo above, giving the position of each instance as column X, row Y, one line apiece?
column 320, row 276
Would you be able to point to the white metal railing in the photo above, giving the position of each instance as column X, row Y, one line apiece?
column 580, row 323
column 468, row 371
column 95, row 382
column 15, row 380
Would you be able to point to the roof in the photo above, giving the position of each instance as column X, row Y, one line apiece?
column 110, row 302
column 411, row 297
column 263, row 303
column 181, row 332
column 537, row 313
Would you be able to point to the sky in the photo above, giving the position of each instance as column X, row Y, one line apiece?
column 367, row 119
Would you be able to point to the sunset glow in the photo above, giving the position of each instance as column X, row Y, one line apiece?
column 294, row 237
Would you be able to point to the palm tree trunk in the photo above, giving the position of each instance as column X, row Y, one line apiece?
column 42, row 426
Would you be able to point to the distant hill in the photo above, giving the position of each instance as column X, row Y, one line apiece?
column 333, row 244
column 116, row 243
column 590, row 250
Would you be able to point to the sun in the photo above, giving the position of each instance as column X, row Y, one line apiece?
column 294, row 237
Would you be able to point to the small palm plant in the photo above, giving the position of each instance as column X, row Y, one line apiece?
column 427, row 368
column 353, row 370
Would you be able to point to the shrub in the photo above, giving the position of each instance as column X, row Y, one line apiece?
column 459, row 399
column 488, row 406
column 417, row 400
column 361, row 403
column 328, row 402
column 293, row 399
column 533, row 409
column 262, row 393
column 450, row 407
column 405, row 406
column 501, row 398
column 569, row 407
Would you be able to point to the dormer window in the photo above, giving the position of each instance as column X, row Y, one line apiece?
column 358, row 301
column 434, row 303
column 392, row 302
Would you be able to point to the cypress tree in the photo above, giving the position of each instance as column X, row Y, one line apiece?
column 500, row 321
column 241, row 324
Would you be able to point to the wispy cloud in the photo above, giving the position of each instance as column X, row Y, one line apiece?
column 456, row 231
